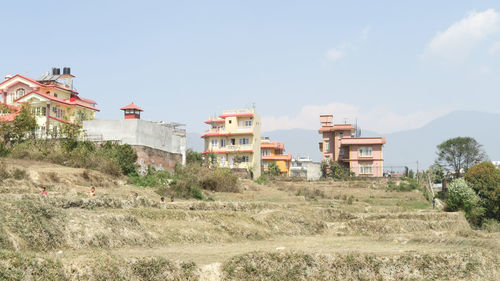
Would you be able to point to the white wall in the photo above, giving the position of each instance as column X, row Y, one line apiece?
column 138, row 132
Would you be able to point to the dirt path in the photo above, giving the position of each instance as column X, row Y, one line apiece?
column 204, row 254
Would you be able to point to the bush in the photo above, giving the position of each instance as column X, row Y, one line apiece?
column 484, row 178
column 19, row 174
column 110, row 158
column 273, row 169
column 407, row 184
column 332, row 169
column 462, row 197
column 189, row 181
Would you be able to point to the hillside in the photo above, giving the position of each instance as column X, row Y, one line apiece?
column 403, row 148
column 282, row 231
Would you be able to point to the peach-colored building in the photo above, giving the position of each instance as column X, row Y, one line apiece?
column 361, row 155
column 272, row 152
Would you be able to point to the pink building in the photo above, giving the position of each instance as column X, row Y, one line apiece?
column 363, row 156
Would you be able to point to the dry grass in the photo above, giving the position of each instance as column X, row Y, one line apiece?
column 367, row 231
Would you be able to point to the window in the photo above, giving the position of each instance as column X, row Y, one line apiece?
column 365, row 169
column 233, row 141
column 266, row 152
column 230, row 121
column 222, row 143
column 341, row 152
column 19, row 93
column 327, row 146
column 214, row 142
column 265, row 164
column 245, row 124
column 244, row 141
column 365, row 151
column 341, row 134
column 222, row 160
column 245, row 159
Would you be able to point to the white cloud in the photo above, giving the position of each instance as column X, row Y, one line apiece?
column 380, row 119
column 335, row 54
column 455, row 43
column 494, row 49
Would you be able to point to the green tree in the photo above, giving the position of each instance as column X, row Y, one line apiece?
column 462, row 197
column 193, row 157
column 273, row 169
column 459, row 154
column 436, row 173
column 24, row 124
column 484, row 178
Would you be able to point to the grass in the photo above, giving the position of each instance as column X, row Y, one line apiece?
column 354, row 266
column 347, row 230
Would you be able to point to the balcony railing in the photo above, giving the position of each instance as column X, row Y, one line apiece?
column 238, row 147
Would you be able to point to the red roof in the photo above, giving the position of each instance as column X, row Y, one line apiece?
column 40, row 84
column 225, row 134
column 236, row 115
column 275, row 145
column 287, row 157
column 216, row 121
column 336, row 127
column 11, row 116
column 69, row 101
column 131, row 106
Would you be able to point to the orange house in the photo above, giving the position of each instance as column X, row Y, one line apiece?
column 361, row 155
column 273, row 152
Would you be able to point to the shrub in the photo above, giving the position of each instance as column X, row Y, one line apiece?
column 462, row 197
column 332, row 169
column 484, row 178
column 19, row 174
column 273, row 169
column 193, row 157
column 262, row 180
column 113, row 159
column 408, row 184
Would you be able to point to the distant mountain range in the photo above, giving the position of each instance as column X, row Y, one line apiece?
column 403, row 148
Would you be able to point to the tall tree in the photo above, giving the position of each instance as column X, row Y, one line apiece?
column 460, row 153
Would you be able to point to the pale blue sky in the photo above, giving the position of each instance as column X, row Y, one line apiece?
column 393, row 65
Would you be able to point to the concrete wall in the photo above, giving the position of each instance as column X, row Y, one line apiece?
column 313, row 171
column 159, row 159
column 138, row 132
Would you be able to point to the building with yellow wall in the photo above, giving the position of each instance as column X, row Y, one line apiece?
column 272, row 152
column 234, row 140
column 52, row 99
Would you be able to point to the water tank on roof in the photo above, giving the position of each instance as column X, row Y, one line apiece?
column 67, row 71
column 56, row 71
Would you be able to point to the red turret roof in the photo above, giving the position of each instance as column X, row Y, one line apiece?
column 131, row 106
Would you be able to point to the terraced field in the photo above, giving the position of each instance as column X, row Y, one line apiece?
column 353, row 230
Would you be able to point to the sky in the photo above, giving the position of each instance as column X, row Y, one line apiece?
column 390, row 65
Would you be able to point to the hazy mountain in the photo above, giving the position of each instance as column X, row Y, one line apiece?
column 194, row 141
column 403, row 148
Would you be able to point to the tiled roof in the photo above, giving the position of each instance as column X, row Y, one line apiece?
column 69, row 101
column 131, row 106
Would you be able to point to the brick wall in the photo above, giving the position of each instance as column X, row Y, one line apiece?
column 159, row 159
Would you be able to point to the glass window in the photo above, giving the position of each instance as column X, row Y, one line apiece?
column 327, row 146
column 365, row 151
column 222, row 143
column 244, row 141
column 365, row 169
column 266, row 152
column 214, row 142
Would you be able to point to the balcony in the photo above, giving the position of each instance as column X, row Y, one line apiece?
column 238, row 147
